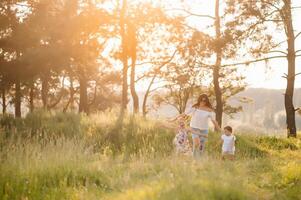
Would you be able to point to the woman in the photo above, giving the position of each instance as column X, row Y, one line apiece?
column 200, row 114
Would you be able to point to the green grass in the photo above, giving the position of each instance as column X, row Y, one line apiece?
column 70, row 156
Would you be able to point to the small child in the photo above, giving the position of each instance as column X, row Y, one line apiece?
column 228, row 140
column 181, row 139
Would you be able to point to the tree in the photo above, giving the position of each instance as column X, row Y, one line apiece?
column 64, row 40
column 79, row 47
column 108, row 88
column 222, row 46
column 259, row 16
column 46, row 49
column 124, row 57
column 181, row 78
column 217, row 66
column 5, row 85
column 153, row 75
column 15, row 67
column 132, row 37
column 139, row 19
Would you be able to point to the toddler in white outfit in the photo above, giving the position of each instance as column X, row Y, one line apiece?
column 228, row 140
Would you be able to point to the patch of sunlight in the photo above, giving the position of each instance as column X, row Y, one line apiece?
column 291, row 173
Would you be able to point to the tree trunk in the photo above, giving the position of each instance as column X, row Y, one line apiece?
column 18, row 98
column 144, row 104
column 124, row 58
column 45, row 89
column 83, row 101
column 291, row 58
column 133, row 90
column 216, row 70
column 124, row 101
column 70, row 102
column 3, row 96
column 131, row 32
column 188, row 92
column 31, row 97
column 72, row 93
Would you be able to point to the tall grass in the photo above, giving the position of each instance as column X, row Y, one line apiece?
column 70, row 156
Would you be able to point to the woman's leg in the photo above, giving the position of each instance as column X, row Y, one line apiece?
column 203, row 141
column 195, row 146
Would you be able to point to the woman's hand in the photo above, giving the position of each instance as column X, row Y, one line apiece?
column 217, row 127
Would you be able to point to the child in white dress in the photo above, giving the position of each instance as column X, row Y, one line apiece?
column 228, row 140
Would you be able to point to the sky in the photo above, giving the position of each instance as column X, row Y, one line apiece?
column 257, row 75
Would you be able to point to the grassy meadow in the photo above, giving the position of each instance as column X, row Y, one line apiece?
column 70, row 156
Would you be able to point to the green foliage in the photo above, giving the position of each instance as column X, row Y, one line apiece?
column 277, row 143
column 289, row 182
column 58, row 124
column 44, row 124
column 134, row 137
column 7, row 121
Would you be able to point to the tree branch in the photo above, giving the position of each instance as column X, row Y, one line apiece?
column 204, row 64
column 190, row 13
column 295, row 7
column 253, row 61
column 154, row 89
column 160, row 66
column 297, row 51
column 298, row 74
column 289, row 77
column 297, row 35
column 272, row 5
column 56, row 102
column 285, row 53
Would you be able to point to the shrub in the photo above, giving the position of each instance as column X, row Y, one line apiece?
column 133, row 137
column 44, row 124
column 275, row 143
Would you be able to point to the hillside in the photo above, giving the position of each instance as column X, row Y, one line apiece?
column 267, row 105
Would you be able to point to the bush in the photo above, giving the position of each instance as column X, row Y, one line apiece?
column 289, row 181
column 44, row 124
column 277, row 143
column 7, row 121
column 134, row 137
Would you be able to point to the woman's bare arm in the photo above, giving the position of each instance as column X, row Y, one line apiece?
column 177, row 117
column 168, row 126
